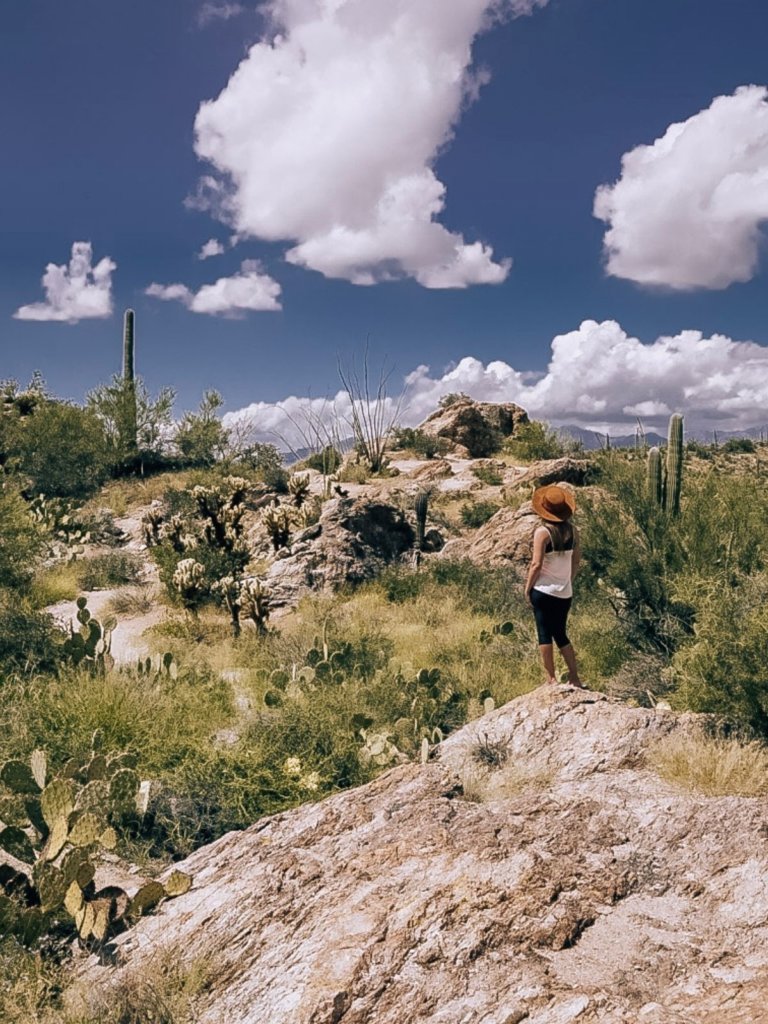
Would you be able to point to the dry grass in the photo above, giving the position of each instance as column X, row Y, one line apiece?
column 61, row 582
column 482, row 785
column 712, row 765
column 133, row 601
column 128, row 495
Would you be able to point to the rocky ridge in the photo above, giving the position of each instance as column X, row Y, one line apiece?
column 581, row 887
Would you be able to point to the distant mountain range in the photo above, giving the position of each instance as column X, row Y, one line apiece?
column 593, row 439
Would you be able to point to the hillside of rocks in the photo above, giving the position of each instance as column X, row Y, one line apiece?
column 533, row 869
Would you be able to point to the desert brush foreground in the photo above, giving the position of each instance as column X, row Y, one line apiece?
column 274, row 746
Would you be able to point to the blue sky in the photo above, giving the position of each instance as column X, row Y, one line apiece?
column 99, row 146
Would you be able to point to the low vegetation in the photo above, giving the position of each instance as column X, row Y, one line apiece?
column 239, row 714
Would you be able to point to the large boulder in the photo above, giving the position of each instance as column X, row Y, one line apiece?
column 353, row 541
column 506, row 539
column 537, row 870
column 577, row 472
column 475, row 428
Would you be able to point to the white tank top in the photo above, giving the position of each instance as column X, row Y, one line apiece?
column 555, row 575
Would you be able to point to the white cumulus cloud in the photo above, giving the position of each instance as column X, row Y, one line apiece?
column 327, row 135
column 687, row 210
column 74, row 291
column 218, row 12
column 598, row 377
column 213, row 247
column 250, row 290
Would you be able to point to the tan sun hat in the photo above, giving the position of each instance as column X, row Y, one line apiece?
column 553, row 503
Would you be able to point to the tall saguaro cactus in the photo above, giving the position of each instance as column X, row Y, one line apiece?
column 674, row 481
column 129, row 383
column 655, row 475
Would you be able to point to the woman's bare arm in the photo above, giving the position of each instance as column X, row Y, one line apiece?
column 540, row 537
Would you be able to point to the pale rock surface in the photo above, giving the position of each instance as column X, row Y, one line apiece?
column 506, row 539
column 583, row 888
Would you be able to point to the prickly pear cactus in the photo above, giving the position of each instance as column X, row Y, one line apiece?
column 90, row 645
column 68, row 824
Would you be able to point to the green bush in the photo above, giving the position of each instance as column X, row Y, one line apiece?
column 61, row 449
column 326, row 461
column 419, row 442
column 537, row 440
column 739, row 444
column 22, row 542
column 115, row 569
column 30, row 642
column 724, row 670
column 477, row 513
column 489, row 475
column 201, row 438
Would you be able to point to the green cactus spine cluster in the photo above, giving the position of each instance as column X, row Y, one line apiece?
column 65, row 822
column 129, row 382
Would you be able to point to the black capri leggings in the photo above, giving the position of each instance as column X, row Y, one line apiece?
column 551, row 614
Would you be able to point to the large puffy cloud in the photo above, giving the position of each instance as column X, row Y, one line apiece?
column 598, row 377
column 250, row 290
column 74, row 291
column 328, row 131
column 687, row 210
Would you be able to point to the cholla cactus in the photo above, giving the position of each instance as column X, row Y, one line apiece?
column 277, row 520
column 298, row 486
column 227, row 590
column 255, row 602
column 173, row 532
column 222, row 511
column 188, row 581
column 151, row 525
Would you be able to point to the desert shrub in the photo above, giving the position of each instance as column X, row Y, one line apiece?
column 489, row 475
column 739, row 444
column 29, row 639
column 453, row 398
column 477, row 513
column 59, row 582
column 419, row 442
column 21, row 540
column 536, row 440
column 136, row 426
column 266, row 461
column 113, row 569
column 326, row 461
column 724, row 669
column 201, row 438
column 712, row 765
column 132, row 601
column 61, row 449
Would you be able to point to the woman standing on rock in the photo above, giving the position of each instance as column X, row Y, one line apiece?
column 549, row 587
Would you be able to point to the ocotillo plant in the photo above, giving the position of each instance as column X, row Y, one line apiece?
column 674, row 481
column 129, row 383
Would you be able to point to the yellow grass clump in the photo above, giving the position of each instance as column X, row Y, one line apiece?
column 712, row 765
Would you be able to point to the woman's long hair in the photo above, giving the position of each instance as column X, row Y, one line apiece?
column 561, row 534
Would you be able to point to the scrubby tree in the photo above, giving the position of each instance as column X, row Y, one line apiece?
column 116, row 404
column 201, row 437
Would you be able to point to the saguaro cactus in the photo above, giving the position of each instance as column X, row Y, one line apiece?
column 129, row 382
column 421, row 508
column 655, row 475
column 674, row 482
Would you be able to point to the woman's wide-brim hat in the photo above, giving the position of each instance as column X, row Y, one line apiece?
column 553, row 503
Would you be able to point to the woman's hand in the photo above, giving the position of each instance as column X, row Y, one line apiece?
column 528, row 597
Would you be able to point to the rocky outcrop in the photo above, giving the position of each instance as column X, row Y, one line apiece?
column 536, row 871
column 352, row 542
column 506, row 539
column 566, row 470
column 475, row 428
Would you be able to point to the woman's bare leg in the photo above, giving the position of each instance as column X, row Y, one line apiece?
column 569, row 657
column 548, row 657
